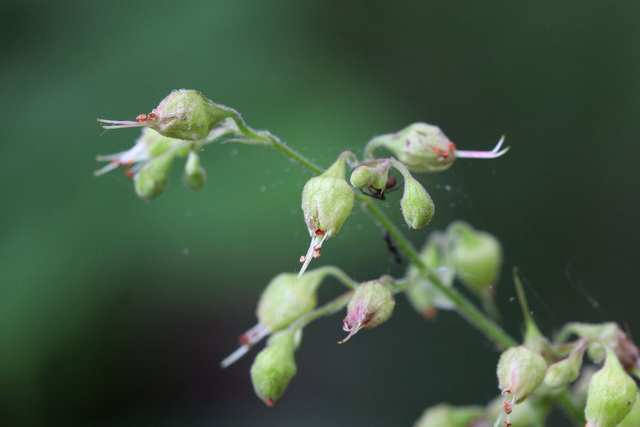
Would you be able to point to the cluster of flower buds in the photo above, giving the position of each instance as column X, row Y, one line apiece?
column 178, row 127
column 372, row 303
column 282, row 302
column 425, row 148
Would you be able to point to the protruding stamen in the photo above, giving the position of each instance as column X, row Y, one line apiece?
column 229, row 360
column 354, row 329
column 248, row 340
column 121, row 124
column 316, row 244
column 483, row 154
column 105, row 169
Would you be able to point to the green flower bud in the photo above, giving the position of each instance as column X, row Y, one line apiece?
column 423, row 296
column 566, row 371
column 417, row 206
column 633, row 419
column 445, row 415
column 327, row 201
column 372, row 303
column 153, row 179
column 477, row 256
column 274, row 366
column 194, row 176
column 520, row 371
column 611, row 334
column 284, row 301
column 373, row 181
column 611, row 394
column 425, row 148
column 183, row 114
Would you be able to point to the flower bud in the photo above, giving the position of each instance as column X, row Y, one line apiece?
column 183, row 114
column 371, row 304
column 284, row 300
column 566, row 371
column 327, row 201
column 477, row 257
column 611, row 334
column 194, row 176
column 445, row 415
column 633, row 419
column 153, row 179
column 417, row 206
column 611, row 394
column 520, row 371
column 423, row 296
column 274, row 366
column 422, row 147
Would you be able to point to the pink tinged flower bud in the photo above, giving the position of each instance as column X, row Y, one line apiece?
column 611, row 334
column 520, row 372
column 445, row 415
column 274, row 366
column 327, row 201
column 372, row 303
column 183, row 114
column 425, row 148
column 566, row 371
column 611, row 395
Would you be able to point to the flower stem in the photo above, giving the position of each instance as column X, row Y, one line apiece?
column 339, row 274
column 465, row 307
column 326, row 310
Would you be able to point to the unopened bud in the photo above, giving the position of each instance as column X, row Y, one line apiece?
column 183, row 114
column 477, row 257
column 611, row 394
column 274, row 366
column 194, row 176
column 327, row 201
column 417, row 206
column 520, row 371
column 611, row 334
column 445, row 415
column 284, row 300
column 566, row 371
column 153, row 179
column 633, row 419
column 372, row 303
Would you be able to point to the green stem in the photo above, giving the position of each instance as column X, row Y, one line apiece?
column 472, row 314
column 326, row 310
column 465, row 307
column 339, row 274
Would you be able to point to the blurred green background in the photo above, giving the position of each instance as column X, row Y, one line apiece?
column 117, row 312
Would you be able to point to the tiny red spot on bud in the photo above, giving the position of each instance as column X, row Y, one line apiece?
column 452, row 146
column 141, row 118
column 436, row 150
column 269, row 402
column 128, row 173
column 430, row 313
column 445, row 154
column 320, row 232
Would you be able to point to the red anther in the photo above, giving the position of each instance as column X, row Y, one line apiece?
column 452, row 146
column 506, row 390
column 507, row 407
column 152, row 116
column 320, row 232
column 445, row 154
column 141, row 118
column 244, row 339
column 507, row 423
column 430, row 313
column 436, row 150
column 316, row 248
column 114, row 161
column 129, row 163
column 269, row 402
column 316, row 254
column 303, row 258
column 128, row 173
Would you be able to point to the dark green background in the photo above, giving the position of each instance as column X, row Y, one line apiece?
column 117, row 312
